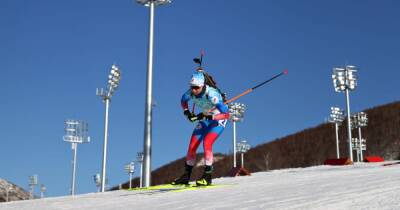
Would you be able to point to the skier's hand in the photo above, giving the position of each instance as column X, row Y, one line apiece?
column 202, row 116
column 191, row 116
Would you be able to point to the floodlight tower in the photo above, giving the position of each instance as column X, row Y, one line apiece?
column 236, row 111
column 359, row 120
column 362, row 122
column 243, row 147
column 33, row 181
column 76, row 131
column 149, row 91
column 97, row 181
column 139, row 159
column 42, row 190
column 106, row 95
column 344, row 80
column 130, row 169
column 337, row 118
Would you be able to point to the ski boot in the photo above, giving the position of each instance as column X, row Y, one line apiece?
column 206, row 178
column 184, row 179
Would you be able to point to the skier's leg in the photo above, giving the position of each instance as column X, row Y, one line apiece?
column 191, row 153
column 208, row 142
column 195, row 141
column 214, row 132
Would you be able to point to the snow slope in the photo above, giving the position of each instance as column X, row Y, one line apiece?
column 358, row 186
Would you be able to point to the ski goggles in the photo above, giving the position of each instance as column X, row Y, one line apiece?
column 195, row 87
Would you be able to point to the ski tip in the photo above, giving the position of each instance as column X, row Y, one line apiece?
column 285, row 71
column 202, row 52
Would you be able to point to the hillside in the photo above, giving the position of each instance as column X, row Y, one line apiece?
column 309, row 147
column 15, row 193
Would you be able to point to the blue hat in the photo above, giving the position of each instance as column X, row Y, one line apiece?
column 197, row 79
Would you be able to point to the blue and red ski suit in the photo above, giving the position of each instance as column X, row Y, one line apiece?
column 207, row 131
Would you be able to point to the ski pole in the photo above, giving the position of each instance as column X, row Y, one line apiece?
column 252, row 89
column 255, row 87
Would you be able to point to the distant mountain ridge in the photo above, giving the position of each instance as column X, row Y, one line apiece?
column 308, row 147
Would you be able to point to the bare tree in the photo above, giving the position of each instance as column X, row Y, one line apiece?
column 267, row 159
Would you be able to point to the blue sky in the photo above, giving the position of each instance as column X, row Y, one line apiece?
column 54, row 54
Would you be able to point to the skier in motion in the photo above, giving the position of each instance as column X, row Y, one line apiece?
column 211, row 123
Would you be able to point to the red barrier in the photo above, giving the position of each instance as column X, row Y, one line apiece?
column 238, row 171
column 371, row 159
column 338, row 162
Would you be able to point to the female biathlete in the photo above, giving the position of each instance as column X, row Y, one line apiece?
column 211, row 123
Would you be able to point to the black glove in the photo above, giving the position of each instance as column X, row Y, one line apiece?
column 202, row 116
column 191, row 116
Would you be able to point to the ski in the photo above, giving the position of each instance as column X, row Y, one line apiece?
column 390, row 164
column 160, row 187
column 176, row 188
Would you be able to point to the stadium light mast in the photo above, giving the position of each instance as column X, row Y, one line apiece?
column 149, row 91
column 42, row 190
column 363, row 121
column 337, row 118
column 236, row 111
column 33, row 181
column 97, row 181
column 242, row 147
column 76, row 131
column 139, row 159
column 344, row 80
column 106, row 95
column 130, row 169
column 359, row 120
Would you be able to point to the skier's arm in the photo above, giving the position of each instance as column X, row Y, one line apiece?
column 222, row 108
column 184, row 104
column 184, row 100
column 224, row 112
